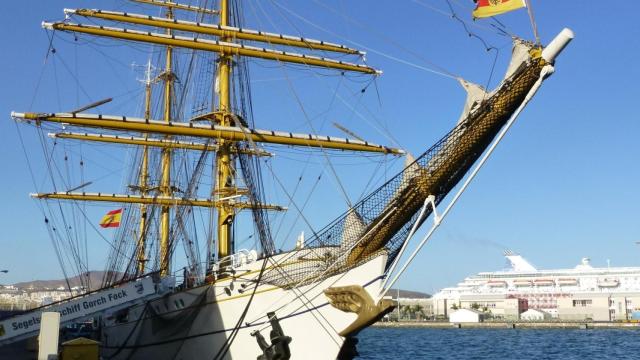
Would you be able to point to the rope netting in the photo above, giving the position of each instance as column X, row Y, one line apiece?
column 381, row 222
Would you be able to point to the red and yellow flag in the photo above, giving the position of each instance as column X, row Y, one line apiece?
column 112, row 219
column 488, row 8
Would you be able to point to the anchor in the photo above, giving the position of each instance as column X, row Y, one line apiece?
column 279, row 347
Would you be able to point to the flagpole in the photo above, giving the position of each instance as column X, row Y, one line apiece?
column 533, row 21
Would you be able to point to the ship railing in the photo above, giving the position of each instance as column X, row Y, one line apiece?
column 228, row 265
column 185, row 277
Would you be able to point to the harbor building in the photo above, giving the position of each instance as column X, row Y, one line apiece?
column 535, row 315
column 466, row 316
column 575, row 294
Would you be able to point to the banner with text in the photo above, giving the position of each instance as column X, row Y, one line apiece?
column 77, row 308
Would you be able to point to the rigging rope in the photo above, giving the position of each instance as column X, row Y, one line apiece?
column 309, row 122
column 295, row 205
column 440, row 72
column 304, row 205
column 487, row 46
column 293, row 194
column 534, row 26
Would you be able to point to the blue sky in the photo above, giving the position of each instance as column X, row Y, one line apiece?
column 562, row 185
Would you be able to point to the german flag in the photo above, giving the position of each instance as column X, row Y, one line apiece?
column 488, row 8
column 112, row 219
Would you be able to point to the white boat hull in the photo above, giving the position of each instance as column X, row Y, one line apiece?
column 196, row 323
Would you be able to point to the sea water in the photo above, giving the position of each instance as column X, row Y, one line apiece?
column 522, row 344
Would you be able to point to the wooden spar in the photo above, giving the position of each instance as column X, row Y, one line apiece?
column 173, row 5
column 222, row 47
column 150, row 200
column 215, row 30
column 152, row 142
column 92, row 105
column 208, row 131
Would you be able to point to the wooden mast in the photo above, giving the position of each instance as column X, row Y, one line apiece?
column 225, row 162
column 165, row 180
column 143, row 180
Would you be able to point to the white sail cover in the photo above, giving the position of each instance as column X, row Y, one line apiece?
column 411, row 170
column 475, row 95
column 519, row 55
column 353, row 229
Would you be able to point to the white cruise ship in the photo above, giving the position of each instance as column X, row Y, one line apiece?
column 543, row 288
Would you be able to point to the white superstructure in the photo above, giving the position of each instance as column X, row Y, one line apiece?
column 543, row 288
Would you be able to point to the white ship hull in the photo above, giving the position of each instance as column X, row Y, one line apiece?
column 196, row 323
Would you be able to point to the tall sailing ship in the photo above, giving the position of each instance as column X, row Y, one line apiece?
column 308, row 301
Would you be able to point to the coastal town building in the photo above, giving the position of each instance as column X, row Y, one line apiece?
column 581, row 293
column 13, row 298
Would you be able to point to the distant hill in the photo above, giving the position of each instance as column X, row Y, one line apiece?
column 95, row 278
column 407, row 294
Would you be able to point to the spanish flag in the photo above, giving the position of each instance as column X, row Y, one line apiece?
column 488, row 8
column 112, row 219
